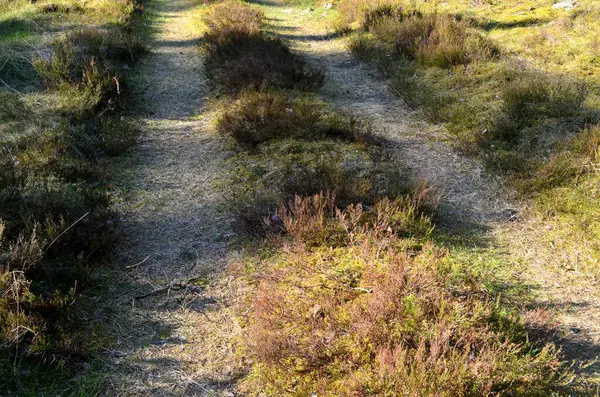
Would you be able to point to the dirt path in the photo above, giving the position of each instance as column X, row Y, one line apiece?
column 172, row 227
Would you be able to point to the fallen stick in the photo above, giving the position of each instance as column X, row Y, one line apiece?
column 137, row 264
column 175, row 285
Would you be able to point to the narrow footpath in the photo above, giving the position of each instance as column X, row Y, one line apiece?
column 175, row 239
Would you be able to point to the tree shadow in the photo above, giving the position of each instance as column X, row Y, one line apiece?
column 267, row 3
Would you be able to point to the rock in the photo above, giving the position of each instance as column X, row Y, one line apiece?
column 328, row 6
column 564, row 5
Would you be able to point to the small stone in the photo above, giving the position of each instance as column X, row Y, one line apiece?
column 328, row 6
column 564, row 5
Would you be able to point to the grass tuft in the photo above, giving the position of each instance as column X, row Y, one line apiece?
column 55, row 218
column 260, row 116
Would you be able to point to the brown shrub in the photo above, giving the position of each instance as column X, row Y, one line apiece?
column 278, row 170
column 440, row 40
column 232, row 15
column 237, row 60
column 240, row 56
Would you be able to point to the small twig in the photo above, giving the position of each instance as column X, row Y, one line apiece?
column 368, row 291
column 175, row 285
column 66, row 230
column 156, row 291
column 137, row 264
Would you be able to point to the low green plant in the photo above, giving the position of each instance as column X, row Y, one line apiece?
column 90, row 61
column 55, row 211
column 432, row 39
column 275, row 171
column 509, row 113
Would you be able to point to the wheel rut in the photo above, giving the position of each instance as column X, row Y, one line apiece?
column 175, row 237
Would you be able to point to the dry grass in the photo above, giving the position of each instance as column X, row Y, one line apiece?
column 431, row 39
column 233, row 15
column 56, row 139
column 494, row 104
column 528, row 111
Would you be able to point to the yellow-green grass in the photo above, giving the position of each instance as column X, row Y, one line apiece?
column 323, row 267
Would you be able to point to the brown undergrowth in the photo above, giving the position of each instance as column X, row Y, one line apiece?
column 528, row 114
column 240, row 55
column 359, row 302
column 286, row 141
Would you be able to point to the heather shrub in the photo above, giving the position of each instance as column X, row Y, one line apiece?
column 535, row 95
column 431, row 39
column 238, row 60
column 377, row 314
column 278, row 170
column 260, row 116
column 55, row 211
column 364, row 13
column 240, row 57
column 233, row 15
column 73, row 53
column 531, row 98
column 373, row 16
column 90, row 61
column 574, row 158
